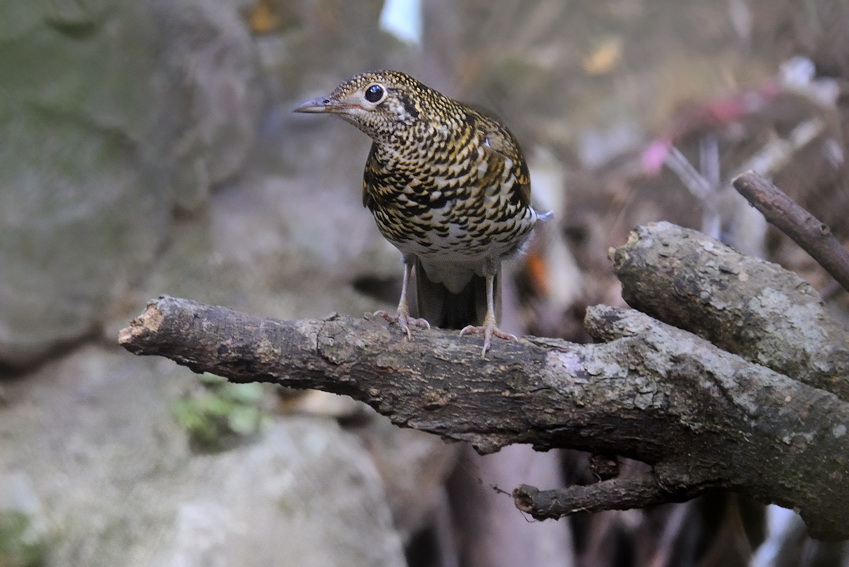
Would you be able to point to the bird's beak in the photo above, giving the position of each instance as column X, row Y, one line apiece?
column 322, row 104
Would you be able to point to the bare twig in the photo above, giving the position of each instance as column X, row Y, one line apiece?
column 617, row 494
column 807, row 231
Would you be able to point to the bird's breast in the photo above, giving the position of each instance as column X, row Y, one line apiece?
column 446, row 203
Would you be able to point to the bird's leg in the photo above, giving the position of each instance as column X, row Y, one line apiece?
column 402, row 314
column 490, row 325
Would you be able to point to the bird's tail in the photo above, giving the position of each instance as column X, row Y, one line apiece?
column 447, row 310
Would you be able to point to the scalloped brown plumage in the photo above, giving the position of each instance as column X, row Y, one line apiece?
column 448, row 186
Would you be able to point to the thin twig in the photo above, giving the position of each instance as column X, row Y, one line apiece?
column 806, row 230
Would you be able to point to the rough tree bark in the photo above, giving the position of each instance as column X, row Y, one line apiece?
column 758, row 406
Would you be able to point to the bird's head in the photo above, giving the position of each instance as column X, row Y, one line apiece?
column 383, row 104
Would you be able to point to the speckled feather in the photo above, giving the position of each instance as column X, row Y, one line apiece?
column 447, row 185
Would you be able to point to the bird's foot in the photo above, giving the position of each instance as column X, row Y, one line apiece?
column 404, row 321
column 488, row 330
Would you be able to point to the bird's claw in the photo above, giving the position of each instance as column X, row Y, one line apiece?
column 488, row 330
column 404, row 321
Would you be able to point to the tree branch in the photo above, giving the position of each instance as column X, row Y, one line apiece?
column 705, row 419
column 805, row 229
column 741, row 304
column 615, row 494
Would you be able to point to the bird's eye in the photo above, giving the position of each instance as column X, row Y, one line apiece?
column 374, row 93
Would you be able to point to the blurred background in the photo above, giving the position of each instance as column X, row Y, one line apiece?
column 149, row 148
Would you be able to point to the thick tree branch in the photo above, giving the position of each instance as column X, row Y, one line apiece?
column 704, row 418
column 741, row 304
column 805, row 229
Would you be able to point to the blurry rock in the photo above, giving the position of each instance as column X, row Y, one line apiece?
column 304, row 495
column 23, row 524
column 414, row 467
column 212, row 71
column 82, row 204
column 412, row 464
column 95, row 439
column 98, row 141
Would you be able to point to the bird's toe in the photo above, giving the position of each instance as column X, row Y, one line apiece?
column 404, row 321
column 488, row 331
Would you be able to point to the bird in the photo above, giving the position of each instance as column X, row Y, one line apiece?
column 448, row 186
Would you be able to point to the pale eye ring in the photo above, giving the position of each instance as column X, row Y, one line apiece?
column 374, row 93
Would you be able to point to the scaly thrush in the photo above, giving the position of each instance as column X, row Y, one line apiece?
column 448, row 186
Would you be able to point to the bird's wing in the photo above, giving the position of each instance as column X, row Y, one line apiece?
column 501, row 146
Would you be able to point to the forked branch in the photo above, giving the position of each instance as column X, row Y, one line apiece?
column 703, row 417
